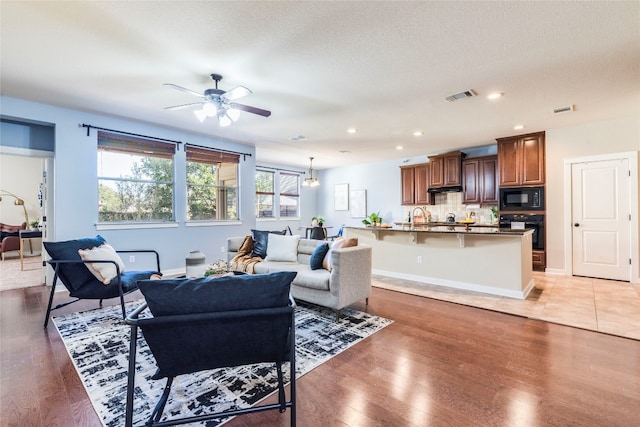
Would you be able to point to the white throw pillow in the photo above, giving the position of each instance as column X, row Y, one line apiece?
column 282, row 248
column 104, row 271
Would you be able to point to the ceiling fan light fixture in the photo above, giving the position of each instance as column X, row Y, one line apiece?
column 223, row 119
column 200, row 114
column 210, row 109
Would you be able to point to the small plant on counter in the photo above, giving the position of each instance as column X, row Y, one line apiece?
column 320, row 221
column 219, row 267
column 372, row 220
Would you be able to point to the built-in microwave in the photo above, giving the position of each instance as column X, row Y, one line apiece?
column 521, row 199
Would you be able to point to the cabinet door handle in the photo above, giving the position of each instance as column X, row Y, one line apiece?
column 577, row 224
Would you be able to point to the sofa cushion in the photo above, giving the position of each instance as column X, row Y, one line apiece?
column 318, row 256
column 260, row 241
column 103, row 271
column 282, row 248
column 313, row 279
column 203, row 294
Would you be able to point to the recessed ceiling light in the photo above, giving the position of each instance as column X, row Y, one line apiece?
column 418, row 133
column 352, row 130
column 399, row 147
column 518, row 127
column 298, row 138
column 494, row 95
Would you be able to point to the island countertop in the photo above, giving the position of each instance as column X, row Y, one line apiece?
column 490, row 260
column 450, row 229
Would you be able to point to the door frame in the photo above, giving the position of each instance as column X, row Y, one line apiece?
column 632, row 157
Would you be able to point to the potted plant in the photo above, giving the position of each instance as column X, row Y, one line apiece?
column 320, row 221
column 372, row 220
column 34, row 224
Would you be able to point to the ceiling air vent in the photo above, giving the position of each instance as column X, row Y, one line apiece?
column 561, row 110
column 456, row 96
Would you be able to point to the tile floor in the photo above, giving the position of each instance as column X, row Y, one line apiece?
column 606, row 306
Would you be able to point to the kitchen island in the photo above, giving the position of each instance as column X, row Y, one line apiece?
column 482, row 259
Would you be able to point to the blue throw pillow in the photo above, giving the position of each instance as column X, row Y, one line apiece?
column 225, row 293
column 318, row 255
column 260, row 241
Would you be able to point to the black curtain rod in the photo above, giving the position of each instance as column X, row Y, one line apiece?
column 279, row 169
column 221, row 150
column 89, row 127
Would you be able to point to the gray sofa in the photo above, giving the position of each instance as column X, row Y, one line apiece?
column 349, row 280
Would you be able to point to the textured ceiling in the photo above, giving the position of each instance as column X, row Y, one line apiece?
column 384, row 68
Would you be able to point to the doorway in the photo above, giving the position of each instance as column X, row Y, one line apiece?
column 602, row 195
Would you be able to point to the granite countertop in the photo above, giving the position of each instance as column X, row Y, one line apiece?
column 457, row 228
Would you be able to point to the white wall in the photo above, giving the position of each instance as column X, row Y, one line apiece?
column 19, row 175
column 621, row 134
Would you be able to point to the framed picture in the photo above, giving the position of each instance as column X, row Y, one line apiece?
column 341, row 197
column 358, row 203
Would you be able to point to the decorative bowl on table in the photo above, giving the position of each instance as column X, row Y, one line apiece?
column 468, row 222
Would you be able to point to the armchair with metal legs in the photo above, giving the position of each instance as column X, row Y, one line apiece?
column 218, row 323
column 72, row 271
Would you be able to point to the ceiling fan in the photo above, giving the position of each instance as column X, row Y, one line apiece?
column 219, row 103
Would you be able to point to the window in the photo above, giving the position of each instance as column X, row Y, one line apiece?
column 289, row 194
column 212, row 184
column 284, row 185
column 264, row 193
column 135, row 179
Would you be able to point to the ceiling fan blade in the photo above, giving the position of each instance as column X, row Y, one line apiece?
column 183, row 89
column 237, row 92
column 249, row 109
column 181, row 106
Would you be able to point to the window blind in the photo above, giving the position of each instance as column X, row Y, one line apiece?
column 210, row 155
column 128, row 144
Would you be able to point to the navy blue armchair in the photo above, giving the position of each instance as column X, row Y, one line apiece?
column 72, row 271
column 209, row 323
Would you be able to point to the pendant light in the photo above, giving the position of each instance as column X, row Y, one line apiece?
column 311, row 181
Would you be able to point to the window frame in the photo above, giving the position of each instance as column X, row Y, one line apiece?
column 108, row 142
column 214, row 158
column 277, row 194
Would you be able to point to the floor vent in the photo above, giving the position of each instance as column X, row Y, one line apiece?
column 565, row 109
column 456, row 96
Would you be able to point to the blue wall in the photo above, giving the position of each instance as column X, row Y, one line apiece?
column 75, row 190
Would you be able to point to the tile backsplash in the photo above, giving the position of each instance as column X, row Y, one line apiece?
column 452, row 203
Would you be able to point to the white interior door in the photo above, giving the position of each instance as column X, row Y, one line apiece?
column 601, row 221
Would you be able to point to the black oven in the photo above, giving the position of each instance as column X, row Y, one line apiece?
column 521, row 199
column 528, row 221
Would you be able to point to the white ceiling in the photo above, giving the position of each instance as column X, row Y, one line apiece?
column 384, row 68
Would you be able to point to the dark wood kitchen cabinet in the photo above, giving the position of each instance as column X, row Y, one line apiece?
column 521, row 160
column 446, row 170
column 480, row 180
column 415, row 185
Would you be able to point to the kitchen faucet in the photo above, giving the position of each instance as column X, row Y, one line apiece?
column 423, row 214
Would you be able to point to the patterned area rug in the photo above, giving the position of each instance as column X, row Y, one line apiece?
column 98, row 343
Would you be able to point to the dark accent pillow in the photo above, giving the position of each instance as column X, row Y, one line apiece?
column 225, row 293
column 260, row 241
column 318, row 256
column 78, row 274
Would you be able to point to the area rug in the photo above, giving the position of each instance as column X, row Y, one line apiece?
column 12, row 277
column 98, row 343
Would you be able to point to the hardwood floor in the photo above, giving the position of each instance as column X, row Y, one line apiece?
column 438, row 364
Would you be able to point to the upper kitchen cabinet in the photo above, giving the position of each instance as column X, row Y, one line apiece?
column 480, row 180
column 446, row 170
column 521, row 160
column 415, row 185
